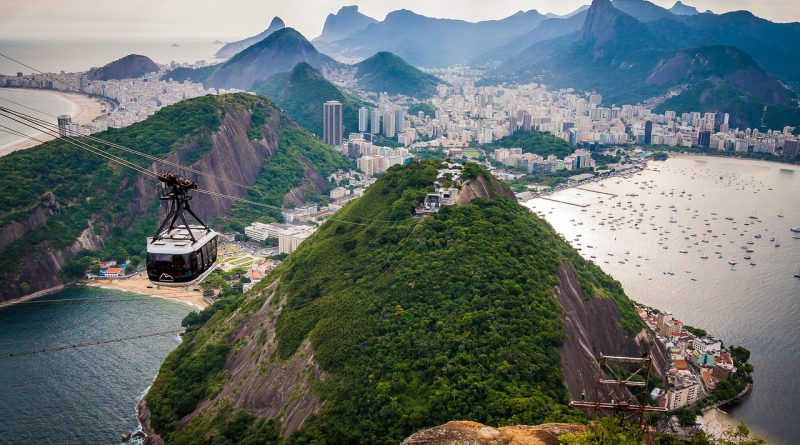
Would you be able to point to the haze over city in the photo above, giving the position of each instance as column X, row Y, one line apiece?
column 233, row 19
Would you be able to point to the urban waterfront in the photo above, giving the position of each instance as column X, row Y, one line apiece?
column 639, row 240
column 88, row 394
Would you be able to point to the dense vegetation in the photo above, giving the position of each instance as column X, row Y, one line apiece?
column 282, row 172
column 534, row 141
column 84, row 189
column 386, row 72
column 412, row 317
column 301, row 94
column 183, row 73
column 426, row 108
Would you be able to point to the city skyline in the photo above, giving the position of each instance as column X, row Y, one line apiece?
column 152, row 20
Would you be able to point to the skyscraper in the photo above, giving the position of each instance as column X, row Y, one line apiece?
column 388, row 123
column 375, row 121
column 648, row 132
column 332, row 122
column 363, row 119
column 399, row 119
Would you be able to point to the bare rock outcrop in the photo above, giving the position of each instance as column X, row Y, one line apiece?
column 591, row 328
column 466, row 432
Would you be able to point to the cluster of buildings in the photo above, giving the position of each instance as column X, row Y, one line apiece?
column 289, row 236
column 130, row 100
column 696, row 363
column 372, row 159
column 533, row 163
column 466, row 115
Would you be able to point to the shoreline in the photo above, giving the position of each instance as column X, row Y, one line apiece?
column 86, row 109
column 138, row 285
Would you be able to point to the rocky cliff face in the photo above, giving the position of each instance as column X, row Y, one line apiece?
column 474, row 433
column 232, row 155
column 592, row 328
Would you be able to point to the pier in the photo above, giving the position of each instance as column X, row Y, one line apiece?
column 564, row 202
column 596, row 191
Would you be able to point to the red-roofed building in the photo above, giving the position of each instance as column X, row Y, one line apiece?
column 113, row 272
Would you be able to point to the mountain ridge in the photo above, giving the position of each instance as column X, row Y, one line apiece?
column 370, row 315
column 279, row 52
column 231, row 49
column 88, row 205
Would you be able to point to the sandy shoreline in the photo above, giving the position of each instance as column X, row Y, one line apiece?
column 85, row 110
column 139, row 285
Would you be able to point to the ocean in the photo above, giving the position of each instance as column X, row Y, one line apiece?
column 38, row 100
column 683, row 205
column 84, row 395
column 77, row 55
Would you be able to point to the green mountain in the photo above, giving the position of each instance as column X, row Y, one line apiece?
column 301, row 93
column 59, row 203
column 128, row 67
column 183, row 73
column 386, row 72
column 382, row 323
column 537, row 142
column 279, row 52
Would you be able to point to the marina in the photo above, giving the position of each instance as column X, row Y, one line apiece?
column 687, row 243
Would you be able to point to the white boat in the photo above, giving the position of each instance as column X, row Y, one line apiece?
column 732, row 262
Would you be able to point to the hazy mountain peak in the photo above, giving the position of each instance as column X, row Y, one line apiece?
column 232, row 48
column 680, row 8
column 346, row 22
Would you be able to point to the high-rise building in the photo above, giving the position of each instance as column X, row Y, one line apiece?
column 388, row 123
column 648, row 132
column 332, row 122
column 399, row 119
column 375, row 121
column 595, row 99
column 363, row 119
column 63, row 124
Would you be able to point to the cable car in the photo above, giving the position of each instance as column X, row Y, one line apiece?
column 180, row 254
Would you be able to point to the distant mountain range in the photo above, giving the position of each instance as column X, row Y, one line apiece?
column 232, row 48
column 279, row 52
column 426, row 41
column 631, row 50
column 628, row 50
column 344, row 23
column 128, row 67
column 301, row 93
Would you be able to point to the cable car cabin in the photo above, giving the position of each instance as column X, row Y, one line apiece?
column 175, row 260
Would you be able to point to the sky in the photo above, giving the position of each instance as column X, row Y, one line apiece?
column 235, row 19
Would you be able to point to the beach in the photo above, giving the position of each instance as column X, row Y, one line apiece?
column 141, row 285
column 85, row 109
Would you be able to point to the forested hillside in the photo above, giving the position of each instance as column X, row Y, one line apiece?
column 59, row 202
column 383, row 323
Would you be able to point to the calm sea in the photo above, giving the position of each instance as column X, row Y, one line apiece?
column 38, row 100
column 683, row 205
column 83, row 395
column 73, row 56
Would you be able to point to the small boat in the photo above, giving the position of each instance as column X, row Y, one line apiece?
column 732, row 262
column 795, row 229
